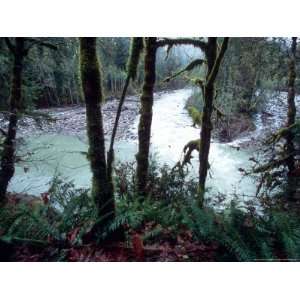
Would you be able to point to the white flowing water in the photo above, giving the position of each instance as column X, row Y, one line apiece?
column 171, row 130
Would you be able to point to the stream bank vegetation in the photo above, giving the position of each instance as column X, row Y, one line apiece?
column 144, row 210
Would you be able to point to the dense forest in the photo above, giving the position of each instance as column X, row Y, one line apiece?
column 149, row 149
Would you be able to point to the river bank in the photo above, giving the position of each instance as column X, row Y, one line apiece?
column 71, row 120
column 244, row 130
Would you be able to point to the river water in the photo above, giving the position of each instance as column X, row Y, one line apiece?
column 171, row 130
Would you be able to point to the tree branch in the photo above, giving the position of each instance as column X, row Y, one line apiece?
column 38, row 42
column 3, row 132
column 215, row 69
column 9, row 44
column 182, row 41
column 189, row 67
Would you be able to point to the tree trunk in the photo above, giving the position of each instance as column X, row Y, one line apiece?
column 206, row 126
column 102, row 192
column 144, row 130
column 110, row 153
column 214, row 60
column 291, row 115
column 9, row 147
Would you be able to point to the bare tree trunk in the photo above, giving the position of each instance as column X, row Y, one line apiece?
column 102, row 192
column 110, row 153
column 9, row 149
column 136, row 48
column 144, row 130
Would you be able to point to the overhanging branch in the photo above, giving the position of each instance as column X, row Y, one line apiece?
column 182, row 41
column 189, row 67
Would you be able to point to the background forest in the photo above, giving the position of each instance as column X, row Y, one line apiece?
column 235, row 97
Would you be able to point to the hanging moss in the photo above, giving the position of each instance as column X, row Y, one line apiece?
column 196, row 115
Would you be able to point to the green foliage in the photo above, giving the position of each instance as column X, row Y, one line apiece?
column 271, row 170
column 251, row 68
column 51, row 78
column 238, row 232
column 165, row 184
column 66, row 210
column 245, row 236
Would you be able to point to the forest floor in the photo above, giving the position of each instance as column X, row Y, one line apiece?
column 184, row 249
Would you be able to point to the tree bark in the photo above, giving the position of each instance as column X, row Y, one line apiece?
column 291, row 116
column 102, row 192
column 9, row 148
column 110, row 153
column 206, row 126
column 213, row 64
column 144, row 129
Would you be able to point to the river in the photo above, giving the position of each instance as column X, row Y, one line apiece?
column 65, row 155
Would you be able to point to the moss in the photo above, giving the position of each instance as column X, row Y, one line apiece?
column 144, row 129
column 291, row 115
column 102, row 192
column 136, row 48
column 191, row 66
column 8, row 155
column 213, row 64
column 196, row 115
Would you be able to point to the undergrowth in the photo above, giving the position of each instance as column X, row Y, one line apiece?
column 168, row 215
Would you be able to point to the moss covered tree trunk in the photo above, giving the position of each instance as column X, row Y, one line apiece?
column 206, row 125
column 102, row 192
column 144, row 129
column 9, row 147
column 291, row 114
column 214, row 60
